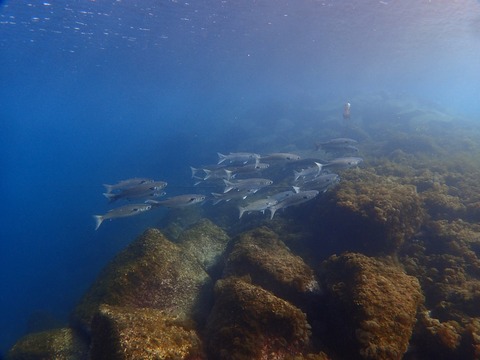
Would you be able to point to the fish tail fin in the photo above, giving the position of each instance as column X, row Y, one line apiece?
column 110, row 197
column 242, row 210
column 216, row 198
column 194, row 171
column 228, row 186
column 320, row 166
column 108, row 187
column 296, row 189
column 272, row 209
column 98, row 221
column 208, row 174
column 297, row 175
column 221, row 157
column 317, row 146
column 229, row 174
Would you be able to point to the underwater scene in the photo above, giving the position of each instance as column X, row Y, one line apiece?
column 240, row 179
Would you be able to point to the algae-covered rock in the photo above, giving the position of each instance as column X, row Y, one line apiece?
column 269, row 263
column 127, row 333
column 248, row 322
column 206, row 242
column 58, row 344
column 152, row 272
column 371, row 306
column 371, row 213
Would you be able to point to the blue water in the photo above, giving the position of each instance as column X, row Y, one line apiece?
column 97, row 91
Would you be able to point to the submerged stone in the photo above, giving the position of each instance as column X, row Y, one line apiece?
column 371, row 214
column 371, row 306
column 270, row 264
column 152, row 272
column 248, row 322
column 206, row 242
column 58, row 344
column 126, row 333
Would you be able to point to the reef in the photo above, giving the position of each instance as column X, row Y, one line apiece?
column 59, row 344
column 207, row 243
column 267, row 261
column 248, row 322
column 371, row 306
column 377, row 213
column 152, row 272
column 132, row 333
column 386, row 265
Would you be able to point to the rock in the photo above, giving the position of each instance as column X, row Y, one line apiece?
column 370, row 307
column 127, row 333
column 270, row 264
column 206, row 242
column 248, row 322
column 152, row 272
column 58, row 344
column 370, row 214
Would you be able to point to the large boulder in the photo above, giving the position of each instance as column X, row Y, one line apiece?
column 370, row 214
column 270, row 264
column 127, row 333
column 207, row 243
column 58, row 344
column 248, row 322
column 152, row 272
column 371, row 306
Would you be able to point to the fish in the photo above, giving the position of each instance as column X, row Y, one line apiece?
column 178, row 201
column 127, row 183
column 281, row 156
column 139, row 191
column 323, row 182
column 284, row 194
column 344, row 162
column 252, row 184
column 211, row 174
column 295, row 199
column 122, row 211
column 230, row 196
column 337, row 144
column 248, row 168
column 239, row 157
column 310, row 171
column 257, row 205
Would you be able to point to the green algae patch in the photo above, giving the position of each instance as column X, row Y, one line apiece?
column 248, row 322
column 129, row 333
column 59, row 344
column 372, row 306
column 152, row 272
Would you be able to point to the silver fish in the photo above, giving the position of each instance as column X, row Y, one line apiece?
column 248, row 168
column 257, row 205
column 292, row 200
column 232, row 195
column 252, row 184
column 127, row 183
column 281, row 156
column 338, row 143
column 343, row 162
column 284, row 194
column 179, row 201
column 122, row 211
column 310, row 171
column 323, row 182
column 241, row 157
column 139, row 191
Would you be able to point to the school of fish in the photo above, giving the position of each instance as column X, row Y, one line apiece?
column 238, row 177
